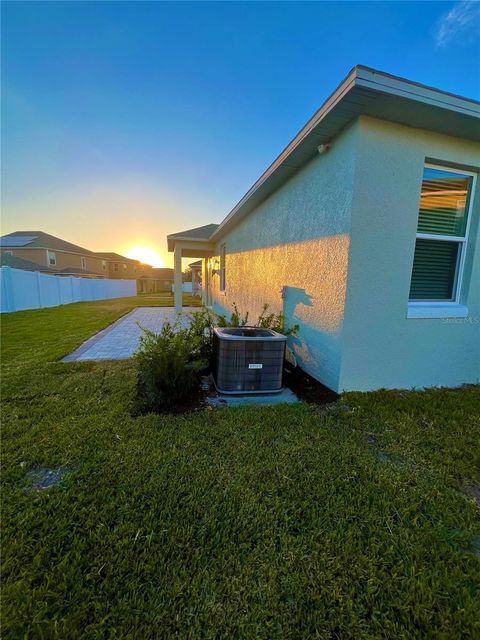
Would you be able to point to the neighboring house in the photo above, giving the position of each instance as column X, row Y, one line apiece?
column 9, row 260
column 52, row 253
column 149, row 279
column 120, row 267
column 365, row 232
column 161, row 279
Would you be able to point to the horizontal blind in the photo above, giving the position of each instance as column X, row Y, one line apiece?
column 434, row 267
column 443, row 203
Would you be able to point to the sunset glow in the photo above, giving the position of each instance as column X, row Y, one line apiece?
column 145, row 255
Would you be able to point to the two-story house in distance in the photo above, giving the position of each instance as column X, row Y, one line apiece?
column 53, row 254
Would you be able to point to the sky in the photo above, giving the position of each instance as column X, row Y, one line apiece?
column 125, row 121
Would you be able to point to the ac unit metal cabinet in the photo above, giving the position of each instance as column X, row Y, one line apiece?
column 248, row 360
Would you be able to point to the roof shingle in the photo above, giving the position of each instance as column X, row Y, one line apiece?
column 44, row 240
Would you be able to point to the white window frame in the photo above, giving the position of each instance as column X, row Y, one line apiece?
column 51, row 253
column 83, row 262
column 222, row 268
column 447, row 308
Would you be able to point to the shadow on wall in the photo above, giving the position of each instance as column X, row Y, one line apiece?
column 317, row 350
column 292, row 298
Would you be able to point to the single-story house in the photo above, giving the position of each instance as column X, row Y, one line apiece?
column 163, row 277
column 364, row 232
column 156, row 279
column 149, row 279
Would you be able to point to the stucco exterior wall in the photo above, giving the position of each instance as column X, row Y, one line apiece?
column 34, row 255
column 381, row 346
column 129, row 271
column 297, row 242
column 66, row 259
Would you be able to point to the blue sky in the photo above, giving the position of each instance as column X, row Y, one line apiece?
column 123, row 122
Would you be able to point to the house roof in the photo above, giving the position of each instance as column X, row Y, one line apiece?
column 364, row 91
column 195, row 265
column 194, row 235
column 41, row 240
column 198, row 233
column 78, row 271
column 162, row 273
column 115, row 257
column 15, row 262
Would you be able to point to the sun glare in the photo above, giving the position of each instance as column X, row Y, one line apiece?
column 145, row 255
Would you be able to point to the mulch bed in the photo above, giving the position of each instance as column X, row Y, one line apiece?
column 307, row 388
column 304, row 386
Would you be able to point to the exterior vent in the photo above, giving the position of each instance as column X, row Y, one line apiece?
column 248, row 360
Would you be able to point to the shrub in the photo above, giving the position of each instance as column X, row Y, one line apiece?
column 168, row 362
column 236, row 319
column 168, row 365
column 274, row 321
column 200, row 330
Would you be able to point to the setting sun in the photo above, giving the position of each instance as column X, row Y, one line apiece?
column 145, row 255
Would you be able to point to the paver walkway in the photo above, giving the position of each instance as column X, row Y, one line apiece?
column 120, row 339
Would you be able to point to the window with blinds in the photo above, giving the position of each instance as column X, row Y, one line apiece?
column 441, row 235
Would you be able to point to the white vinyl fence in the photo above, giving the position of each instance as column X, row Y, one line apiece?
column 33, row 290
column 186, row 287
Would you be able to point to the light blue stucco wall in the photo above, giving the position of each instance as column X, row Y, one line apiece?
column 381, row 346
column 339, row 238
column 298, row 241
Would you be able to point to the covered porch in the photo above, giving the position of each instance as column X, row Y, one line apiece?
column 192, row 243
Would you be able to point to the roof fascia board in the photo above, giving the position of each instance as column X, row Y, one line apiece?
column 384, row 83
column 188, row 239
column 362, row 78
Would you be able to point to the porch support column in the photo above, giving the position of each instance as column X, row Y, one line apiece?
column 194, row 282
column 177, row 278
column 205, row 283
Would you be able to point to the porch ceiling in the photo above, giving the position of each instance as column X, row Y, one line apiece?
column 191, row 249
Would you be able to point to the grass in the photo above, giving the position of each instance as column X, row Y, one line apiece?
column 290, row 522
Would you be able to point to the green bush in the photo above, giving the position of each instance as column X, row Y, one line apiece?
column 200, row 330
column 168, row 365
column 274, row 321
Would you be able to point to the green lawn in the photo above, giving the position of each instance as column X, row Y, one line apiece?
column 291, row 522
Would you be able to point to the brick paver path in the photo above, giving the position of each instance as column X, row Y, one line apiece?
column 119, row 340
